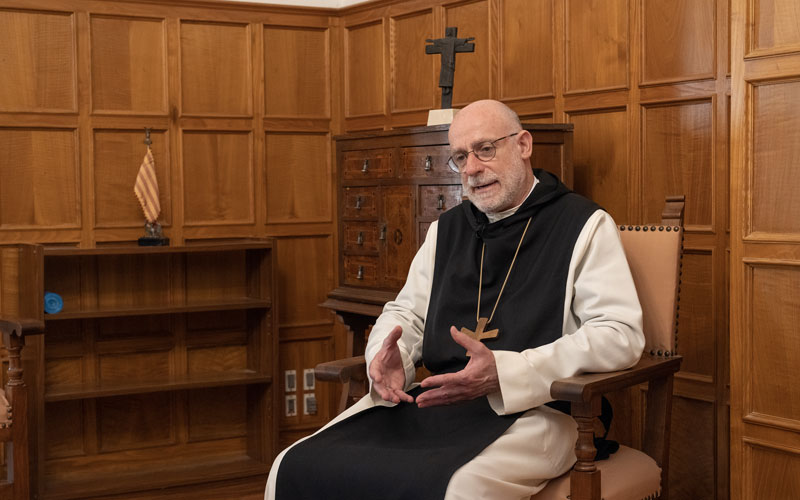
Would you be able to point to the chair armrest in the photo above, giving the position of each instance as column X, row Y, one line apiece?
column 342, row 370
column 583, row 388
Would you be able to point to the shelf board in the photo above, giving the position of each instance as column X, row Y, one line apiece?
column 94, row 390
column 216, row 305
column 153, row 476
column 216, row 246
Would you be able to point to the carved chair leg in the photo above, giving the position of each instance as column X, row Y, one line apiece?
column 584, row 478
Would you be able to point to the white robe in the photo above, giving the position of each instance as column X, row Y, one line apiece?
column 602, row 331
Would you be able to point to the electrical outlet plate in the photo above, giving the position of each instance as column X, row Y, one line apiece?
column 310, row 404
column 290, row 380
column 308, row 379
column 290, row 408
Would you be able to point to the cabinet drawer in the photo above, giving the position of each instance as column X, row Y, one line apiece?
column 430, row 161
column 360, row 202
column 361, row 236
column 360, row 270
column 434, row 200
column 368, row 164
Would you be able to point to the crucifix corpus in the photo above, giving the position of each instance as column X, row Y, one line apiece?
column 448, row 47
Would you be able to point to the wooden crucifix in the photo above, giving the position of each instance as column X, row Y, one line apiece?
column 479, row 333
column 448, row 47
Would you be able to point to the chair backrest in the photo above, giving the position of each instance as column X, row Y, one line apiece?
column 654, row 256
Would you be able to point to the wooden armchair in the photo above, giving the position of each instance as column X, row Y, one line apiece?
column 654, row 255
column 14, row 411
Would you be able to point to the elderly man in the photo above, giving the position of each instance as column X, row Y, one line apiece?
column 523, row 284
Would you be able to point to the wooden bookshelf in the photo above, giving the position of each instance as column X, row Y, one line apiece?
column 159, row 370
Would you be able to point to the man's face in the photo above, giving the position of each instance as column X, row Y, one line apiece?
column 502, row 182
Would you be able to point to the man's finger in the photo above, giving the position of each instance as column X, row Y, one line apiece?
column 393, row 336
column 465, row 341
column 440, row 380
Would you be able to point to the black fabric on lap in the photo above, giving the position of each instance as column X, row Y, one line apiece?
column 385, row 453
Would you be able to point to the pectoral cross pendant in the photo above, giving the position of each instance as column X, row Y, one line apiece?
column 479, row 334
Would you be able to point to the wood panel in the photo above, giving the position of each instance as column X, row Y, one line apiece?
column 677, row 157
column 210, row 276
column 292, row 89
column 117, row 157
column 64, row 438
column 774, row 472
column 218, row 178
column 696, row 331
column 774, row 343
column 774, row 205
column 38, row 52
column 128, row 64
column 600, row 159
column 215, row 69
column 775, row 26
column 39, row 178
column 364, row 83
column 299, row 180
column 679, row 41
column 304, row 280
column 691, row 458
column 136, row 421
column 473, row 75
column 414, row 83
column 597, row 48
column 526, row 42
column 208, row 407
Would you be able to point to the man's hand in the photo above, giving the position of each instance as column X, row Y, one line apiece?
column 387, row 372
column 477, row 379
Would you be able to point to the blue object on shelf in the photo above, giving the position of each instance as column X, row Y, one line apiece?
column 53, row 303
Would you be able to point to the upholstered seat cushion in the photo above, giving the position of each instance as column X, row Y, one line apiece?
column 642, row 478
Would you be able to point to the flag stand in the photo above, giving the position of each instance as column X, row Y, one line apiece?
column 146, row 190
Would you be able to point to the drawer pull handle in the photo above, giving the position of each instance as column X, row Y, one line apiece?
column 365, row 166
column 398, row 236
column 358, row 202
column 440, row 206
column 360, row 275
column 382, row 236
column 428, row 163
column 360, row 239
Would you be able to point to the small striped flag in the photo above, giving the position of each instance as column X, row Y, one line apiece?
column 146, row 187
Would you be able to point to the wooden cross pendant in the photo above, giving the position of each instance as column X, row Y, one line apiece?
column 479, row 334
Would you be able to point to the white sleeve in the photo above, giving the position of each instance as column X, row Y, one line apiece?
column 408, row 310
column 602, row 324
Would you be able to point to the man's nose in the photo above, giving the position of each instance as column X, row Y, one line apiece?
column 473, row 165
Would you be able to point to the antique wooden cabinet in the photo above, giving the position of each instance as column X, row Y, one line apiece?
column 159, row 370
column 392, row 185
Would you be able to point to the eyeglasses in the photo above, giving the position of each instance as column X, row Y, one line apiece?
column 484, row 151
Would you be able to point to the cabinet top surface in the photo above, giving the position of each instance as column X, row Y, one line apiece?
column 443, row 128
column 215, row 246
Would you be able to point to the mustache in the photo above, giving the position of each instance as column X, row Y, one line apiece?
column 480, row 180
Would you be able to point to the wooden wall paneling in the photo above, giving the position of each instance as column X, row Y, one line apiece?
column 526, row 49
column 692, row 462
column 118, row 155
column 678, row 40
column 364, row 69
column 414, row 82
column 128, row 59
column 40, row 178
column 597, row 45
column 298, row 177
column 312, row 400
column 474, row 70
column 304, row 279
column 773, row 343
column 773, row 27
column 39, row 49
column 697, row 332
column 677, row 157
column 772, row 471
column 218, row 177
column 215, row 69
column 292, row 89
column 600, row 159
column 774, row 205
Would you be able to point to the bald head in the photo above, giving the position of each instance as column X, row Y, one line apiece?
column 503, row 178
column 485, row 114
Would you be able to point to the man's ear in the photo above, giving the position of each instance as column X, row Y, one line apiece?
column 525, row 144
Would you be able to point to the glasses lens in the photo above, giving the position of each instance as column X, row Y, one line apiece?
column 485, row 151
column 453, row 166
